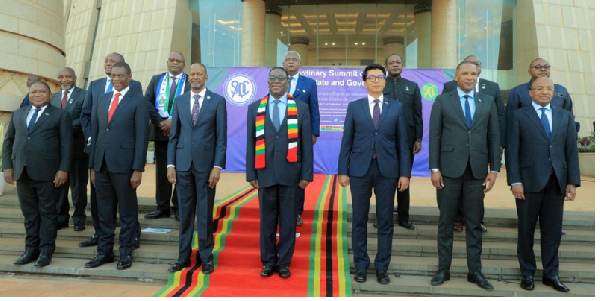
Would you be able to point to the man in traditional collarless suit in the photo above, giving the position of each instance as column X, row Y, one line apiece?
column 70, row 98
column 117, row 160
column 303, row 89
column 96, row 89
column 543, row 170
column 374, row 155
column 279, row 162
column 196, row 155
column 37, row 154
column 464, row 141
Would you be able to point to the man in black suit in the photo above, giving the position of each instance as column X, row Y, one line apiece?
column 195, row 158
column 160, row 94
column 279, row 162
column 70, row 98
column 464, row 141
column 30, row 80
column 543, row 171
column 96, row 89
column 374, row 155
column 117, row 160
column 37, row 154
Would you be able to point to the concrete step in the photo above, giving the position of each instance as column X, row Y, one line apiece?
column 145, row 205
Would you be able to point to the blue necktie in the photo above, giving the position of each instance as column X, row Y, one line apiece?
column 31, row 124
column 275, row 120
column 546, row 123
column 110, row 87
column 467, row 111
column 290, row 86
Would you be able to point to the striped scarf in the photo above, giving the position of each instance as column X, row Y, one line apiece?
column 292, row 129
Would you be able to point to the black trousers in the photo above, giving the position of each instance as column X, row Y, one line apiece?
column 362, row 189
column 404, row 196
column 37, row 200
column 278, row 206
column 78, row 179
column 301, row 203
column 468, row 190
column 547, row 206
column 196, row 199
column 164, row 189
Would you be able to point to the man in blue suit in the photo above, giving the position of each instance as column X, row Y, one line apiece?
column 195, row 157
column 543, row 171
column 303, row 89
column 96, row 89
column 374, row 155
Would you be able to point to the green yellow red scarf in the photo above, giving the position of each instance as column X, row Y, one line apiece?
column 292, row 129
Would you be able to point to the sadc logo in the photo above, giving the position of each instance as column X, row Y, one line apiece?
column 240, row 89
column 429, row 91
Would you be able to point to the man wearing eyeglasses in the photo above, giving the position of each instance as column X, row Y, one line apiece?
column 374, row 155
column 160, row 94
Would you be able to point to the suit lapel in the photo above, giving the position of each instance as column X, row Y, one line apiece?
column 479, row 105
column 364, row 103
column 298, row 86
column 102, row 86
column 43, row 117
column 56, row 99
column 556, row 123
column 385, row 104
column 72, row 98
column 184, row 109
column 120, row 107
column 537, row 122
column 455, row 102
column 23, row 117
column 205, row 102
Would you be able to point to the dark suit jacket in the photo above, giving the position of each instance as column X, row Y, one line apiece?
column 122, row 142
column 531, row 157
column 492, row 89
column 25, row 101
column 74, row 105
column 203, row 145
column 389, row 139
column 45, row 151
column 150, row 95
column 408, row 93
column 278, row 170
column 452, row 144
column 306, row 91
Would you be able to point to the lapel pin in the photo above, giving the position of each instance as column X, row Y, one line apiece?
column 208, row 97
column 303, row 91
column 386, row 103
column 71, row 101
column 46, row 114
column 406, row 88
column 479, row 99
column 483, row 86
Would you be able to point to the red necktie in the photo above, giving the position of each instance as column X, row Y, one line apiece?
column 63, row 103
column 113, row 105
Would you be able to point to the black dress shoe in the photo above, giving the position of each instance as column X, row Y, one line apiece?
column 360, row 276
column 136, row 243
column 100, row 260
column 477, row 278
column 125, row 262
column 267, row 271
column 527, row 283
column 62, row 225
column 375, row 225
column 440, row 277
column 382, row 277
column 208, row 267
column 556, row 284
column 79, row 227
column 407, row 225
column 284, row 272
column 156, row 214
column 43, row 260
column 93, row 241
column 180, row 265
column 27, row 257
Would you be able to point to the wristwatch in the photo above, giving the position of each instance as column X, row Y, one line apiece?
column 435, row 170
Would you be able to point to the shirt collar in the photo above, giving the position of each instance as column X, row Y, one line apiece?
column 177, row 77
column 70, row 90
column 283, row 99
column 372, row 99
column 202, row 93
column 296, row 76
column 538, row 107
column 33, row 108
column 123, row 92
column 461, row 93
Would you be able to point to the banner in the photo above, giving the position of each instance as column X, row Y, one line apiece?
column 336, row 88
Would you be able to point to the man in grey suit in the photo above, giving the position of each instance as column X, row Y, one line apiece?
column 464, row 141
column 543, row 170
column 117, row 160
column 279, row 162
column 374, row 155
column 195, row 157
column 37, row 154
column 70, row 98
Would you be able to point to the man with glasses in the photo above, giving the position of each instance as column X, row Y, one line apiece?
column 374, row 155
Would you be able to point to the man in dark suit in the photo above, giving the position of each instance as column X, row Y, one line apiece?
column 303, row 89
column 464, row 140
column 543, row 170
column 37, row 154
column 195, row 158
column 483, row 86
column 408, row 93
column 30, row 80
column 279, row 162
column 117, row 160
column 96, row 89
column 70, row 98
column 374, row 155
column 160, row 94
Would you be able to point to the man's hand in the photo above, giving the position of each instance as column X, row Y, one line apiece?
column 303, row 184
column 92, row 176
column 417, row 147
column 60, row 178
column 570, row 193
column 518, row 191
column 501, row 151
column 403, row 183
column 344, row 181
column 165, row 127
column 314, row 138
column 436, row 180
column 172, row 175
column 214, row 177
column 136, row 179
column 254, row 183
column 489, row 181
column 8, row 176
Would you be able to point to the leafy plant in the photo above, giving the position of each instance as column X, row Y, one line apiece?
column 587, row 144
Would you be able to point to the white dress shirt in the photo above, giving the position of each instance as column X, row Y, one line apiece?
column 62, row 94
column 294, row 83
column 123, row 92
column 200, row 101
column 548, row 112
column 371, row 100
column 31, row 112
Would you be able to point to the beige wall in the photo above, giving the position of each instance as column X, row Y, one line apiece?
column 79, row 33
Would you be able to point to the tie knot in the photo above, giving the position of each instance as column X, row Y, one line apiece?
column 66, row 92
column 38, row 109
column 174, row 78
column 197, row 97
column 117, row 95
column 276, row 101
column 466, row 96
column 376, row 101
column 543, row 110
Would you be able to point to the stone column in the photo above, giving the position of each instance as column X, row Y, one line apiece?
column 393, row 44
column 444, row 30
column 253, row 34
column 423, row 33
column 272, row 30
column 300, row 44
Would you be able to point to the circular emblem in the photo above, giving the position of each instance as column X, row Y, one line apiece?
column 240, row 89
column 429, row 91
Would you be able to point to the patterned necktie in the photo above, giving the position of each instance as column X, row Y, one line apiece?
column 113, row 105
column 173, row 87
column 63, row 103
column 376, row 115
column 195, row 109
column 467, row 111
column 110, row 87
column 275, row 120
column 546, row 122
column 31, row 124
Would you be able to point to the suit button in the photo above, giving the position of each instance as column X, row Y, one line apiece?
column 277, row 136
column 107, row 130
column 376, row 133
column 28, row 138
column 550, row 146
column 549, row 159
column 467, row 145
column 469, row 132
